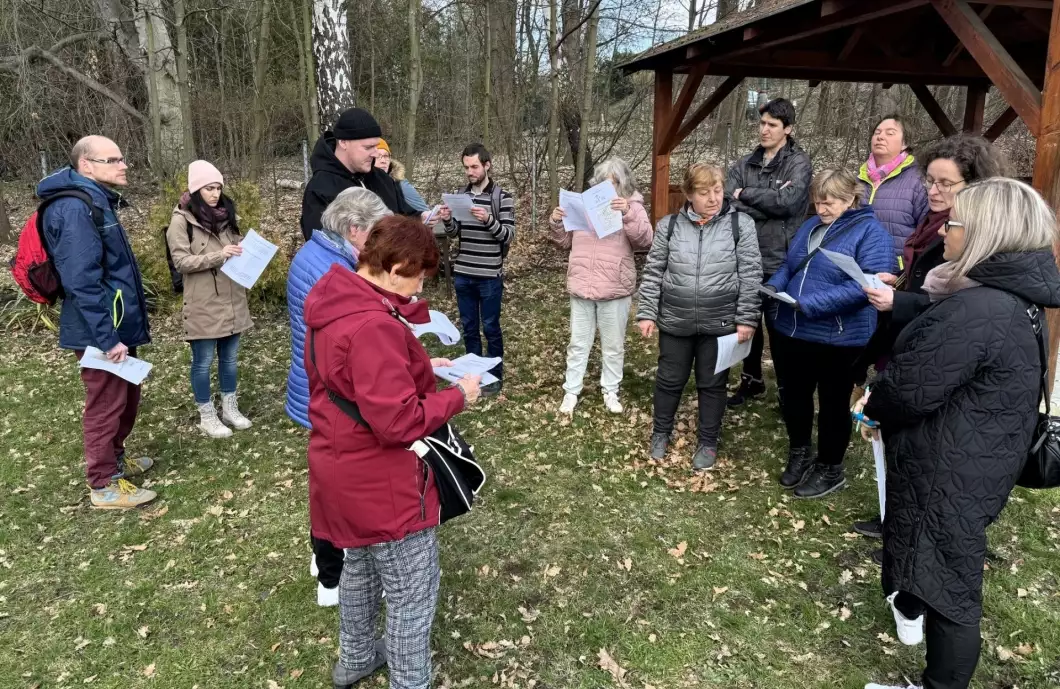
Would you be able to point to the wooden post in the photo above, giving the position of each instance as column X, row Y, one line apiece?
column 660, row 159
column 1047, row 159
column 974, row 106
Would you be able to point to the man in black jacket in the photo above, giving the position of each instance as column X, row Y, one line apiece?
column 772, row 185
column 345, row 158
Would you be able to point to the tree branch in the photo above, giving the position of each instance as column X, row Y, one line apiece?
column 566, row 34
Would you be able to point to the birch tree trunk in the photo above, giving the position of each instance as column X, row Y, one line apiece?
column 310, row 69
column 167, row 120
column 257, row 130
column 331, row 45
column 415, row 85
column 587, row 100
column 553, row 113
column 183, row 80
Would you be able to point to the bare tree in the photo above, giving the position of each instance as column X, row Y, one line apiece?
column 415, row 85
column 257, row 130
column 331, row 45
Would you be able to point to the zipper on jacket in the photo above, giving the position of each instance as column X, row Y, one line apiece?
column 423, row 493
column 839, row 320
column 699, row 259
column 213, row 271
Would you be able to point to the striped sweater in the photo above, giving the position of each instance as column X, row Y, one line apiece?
column 480, row 244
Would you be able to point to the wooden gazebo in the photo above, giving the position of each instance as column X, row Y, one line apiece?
column 1011, row 44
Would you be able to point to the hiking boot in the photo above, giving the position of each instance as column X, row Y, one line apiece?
column 910, row 632
column 210, row 424
column 492, row 390
column 704, row 458
column 120, row 495
column 230, row 413
column 872, row 528
column 821, row 480
column 341, row 678
column 659, row 443
column 327, row 598
column 137, row 466
column 569, row 403
column 612, row 403
column 749, row 389
column 799, row 462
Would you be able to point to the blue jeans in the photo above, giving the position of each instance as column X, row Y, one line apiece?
column 202, row 352
column 479, row 301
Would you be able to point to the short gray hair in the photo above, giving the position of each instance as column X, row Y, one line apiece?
column 1001, row 215
column 353, row 207
column 615, row 170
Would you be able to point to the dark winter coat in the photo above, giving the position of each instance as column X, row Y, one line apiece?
column 330, row 178
column 958, row 405
column 900, row 200
column 103, row 293
column 775, row 196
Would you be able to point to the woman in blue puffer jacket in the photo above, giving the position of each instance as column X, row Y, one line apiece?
column 819, row 337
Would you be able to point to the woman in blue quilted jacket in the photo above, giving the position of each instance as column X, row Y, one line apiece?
column 823, row 328
column 892, row 183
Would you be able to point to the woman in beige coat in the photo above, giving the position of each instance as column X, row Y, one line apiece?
column 202, row 235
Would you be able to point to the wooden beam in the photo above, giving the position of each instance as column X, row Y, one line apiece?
column 684, row 102
column 813, row 83
column 1047, row 159
column 974, row 107
column 1003, row 122
column 660, row 158
column 710, row 105
column 1027, row 4
column 934, row 110
column 852, row 42
column 959, row 48
column 981, row 43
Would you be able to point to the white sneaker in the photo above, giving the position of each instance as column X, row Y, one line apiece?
column 612, row 403
column 569, row 403
column 230, row 413
column 210, row 424
column 910, row 632
column 327, row 598
column 313, row 569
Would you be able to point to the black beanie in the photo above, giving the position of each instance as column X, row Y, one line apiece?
column 357, row 123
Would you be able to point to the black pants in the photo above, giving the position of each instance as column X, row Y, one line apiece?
column 952, row 649
column 329, row 562
column 752, row 365
column 805, row 367
column 676, row 357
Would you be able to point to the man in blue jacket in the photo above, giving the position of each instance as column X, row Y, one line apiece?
column 103, row 307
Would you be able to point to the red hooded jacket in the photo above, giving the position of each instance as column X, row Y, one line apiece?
column 365, row 486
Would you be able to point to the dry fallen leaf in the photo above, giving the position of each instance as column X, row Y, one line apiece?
column 552, row 571
column 679, row 551
column 626, row 564
column 149, row 671
column 143, row 631
column 844, row 613
column 608, row 665
column 719, row 590
column 846, row 576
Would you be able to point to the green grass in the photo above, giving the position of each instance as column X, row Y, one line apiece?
column 568, row 553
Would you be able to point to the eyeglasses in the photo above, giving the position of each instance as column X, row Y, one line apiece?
column 950, row 224
column 107, row 161
column 944, row 186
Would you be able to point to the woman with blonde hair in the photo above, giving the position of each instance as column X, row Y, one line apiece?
column 957, row 407
column 700, row 283
column 821, row 332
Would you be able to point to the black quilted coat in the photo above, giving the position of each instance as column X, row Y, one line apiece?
column 957, row 407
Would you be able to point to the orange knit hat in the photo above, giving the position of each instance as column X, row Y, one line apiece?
column 384, row 145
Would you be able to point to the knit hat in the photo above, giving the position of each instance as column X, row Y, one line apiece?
column 355, row 124
column 203, row 174
column 384, row 145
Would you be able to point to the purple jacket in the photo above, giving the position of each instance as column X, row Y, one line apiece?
column 900, row 201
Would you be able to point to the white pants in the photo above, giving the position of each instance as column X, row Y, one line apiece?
column 611, row 318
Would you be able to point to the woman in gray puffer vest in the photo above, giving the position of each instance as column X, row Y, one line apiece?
column 700, row 283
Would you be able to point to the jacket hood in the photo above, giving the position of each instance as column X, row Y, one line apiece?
column 397, row 170
column 324, row 160
column 1030, row 275
column 342, row 293
column 65, row 179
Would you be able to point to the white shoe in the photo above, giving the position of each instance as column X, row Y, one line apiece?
column 230, row 412
column 327, row 598
column 612, row 403
column 313, row 569
column 210, row 424
column 569, row 403
column 910, row 632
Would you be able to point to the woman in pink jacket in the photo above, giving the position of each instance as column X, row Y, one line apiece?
column 601, row 279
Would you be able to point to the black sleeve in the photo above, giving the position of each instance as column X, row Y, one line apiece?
column 907, row 306
column 312, row 208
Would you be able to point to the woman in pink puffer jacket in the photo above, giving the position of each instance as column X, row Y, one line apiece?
column 601, row 279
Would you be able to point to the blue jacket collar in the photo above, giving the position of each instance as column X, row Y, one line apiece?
column 66, row 178
column 329, row 242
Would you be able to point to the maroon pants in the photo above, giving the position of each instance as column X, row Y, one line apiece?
column 111, row 404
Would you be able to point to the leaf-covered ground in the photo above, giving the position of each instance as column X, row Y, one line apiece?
column 584, row 566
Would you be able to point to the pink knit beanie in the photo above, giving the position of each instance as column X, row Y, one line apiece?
column 202, row 174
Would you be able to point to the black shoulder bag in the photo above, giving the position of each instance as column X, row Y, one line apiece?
column 1042, row 469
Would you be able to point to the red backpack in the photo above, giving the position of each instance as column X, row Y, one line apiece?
column 32, row 266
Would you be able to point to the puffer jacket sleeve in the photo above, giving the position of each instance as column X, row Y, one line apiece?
column 734, row 179
column 874, row 255
column 559, row 236
column 637, row 227
column 788, row 200
column 749, row 269
column 180, row 247
column 650, row 293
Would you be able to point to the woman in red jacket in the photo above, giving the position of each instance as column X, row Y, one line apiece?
column 368, row 493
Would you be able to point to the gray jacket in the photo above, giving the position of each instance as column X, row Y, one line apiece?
column 698, row 281
column 775, row 195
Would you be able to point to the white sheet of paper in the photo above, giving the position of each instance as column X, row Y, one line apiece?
column 731, row 352
column 441, row 326
column 849, row 265
column 132, row 369
column 576, row 220
column 597, row 201
column 246, row 268
column 469, row 364
column 779, row 296
column 881, row 472
column 432, row 217
column 875, row 282
column 461, row 205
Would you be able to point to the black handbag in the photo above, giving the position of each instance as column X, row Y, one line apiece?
column 1042, row 469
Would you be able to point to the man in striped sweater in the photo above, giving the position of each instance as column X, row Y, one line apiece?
column 478, row 270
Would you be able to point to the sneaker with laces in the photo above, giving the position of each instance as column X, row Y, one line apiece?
column 659, row 444
column 137, row 466
column 120, row 495
column 872, row 528
column 704, row 458
column 569, row 403
column 821, row 480
column 800, row 459
column 210, row 424
column 612, row 403
column 230, row 413
column 910, row 632
column 749, row 389
column 341, row 678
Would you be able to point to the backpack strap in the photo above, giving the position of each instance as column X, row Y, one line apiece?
column 1036, row 324
column 97, row 214
column 348, row 407
column 736, row 229
column 495, row 201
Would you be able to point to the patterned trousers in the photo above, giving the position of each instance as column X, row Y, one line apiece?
column 409, row 573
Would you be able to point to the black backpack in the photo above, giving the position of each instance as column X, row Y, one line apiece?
column 175, row 276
